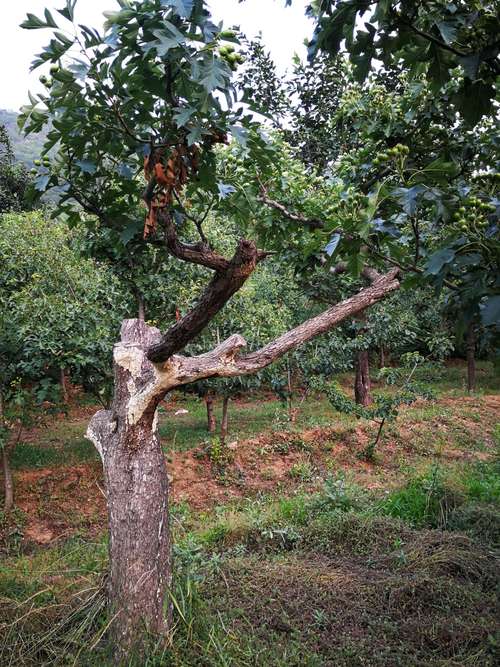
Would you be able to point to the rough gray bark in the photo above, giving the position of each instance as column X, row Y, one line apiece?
column 137, row 496
column 134, row 465
column 362, row 384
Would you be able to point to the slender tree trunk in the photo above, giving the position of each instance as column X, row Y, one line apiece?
column 64, row 385
column 211, row 420
column 381, row 363
column 136, row 484
column 291, row 411
column 141, row 312
column 362, row 385
column 225, row 419
column 8, row 482
column 471, row 359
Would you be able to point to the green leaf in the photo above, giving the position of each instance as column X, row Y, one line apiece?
column 448, row 31
column 474, row 100
column 470, row 65
column 50, row 19
column 438, row 260
column 41, row 182
column 32, row 22
column 183, row 7
column 408, row 198
column 490, row 311
column 214, row 74
column 195, row 134
column 130, row 231
column 68, row 12
column 87, row 166
column 181, row 116
column 240, row 134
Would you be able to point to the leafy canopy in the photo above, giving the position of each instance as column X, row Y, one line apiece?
column 440, row 39
column 154, row 83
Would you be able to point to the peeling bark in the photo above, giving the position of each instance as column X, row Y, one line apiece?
column 137, row 496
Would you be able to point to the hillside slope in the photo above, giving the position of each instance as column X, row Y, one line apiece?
column 26, row 149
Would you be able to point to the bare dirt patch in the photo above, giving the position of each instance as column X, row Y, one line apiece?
column 60, row 501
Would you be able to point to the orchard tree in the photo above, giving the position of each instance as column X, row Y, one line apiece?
column 302, row 105
column 134, row 118
column 14, row 178
column 58, row 313
column 437, row 40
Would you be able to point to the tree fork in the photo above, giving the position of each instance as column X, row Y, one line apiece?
column 135, row 471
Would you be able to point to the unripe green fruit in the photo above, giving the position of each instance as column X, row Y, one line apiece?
column 223, row 50
column 227, row 34
column 37, row 163
column 54, row 69
column 43, row 79
column 33, row 171
column 462, row 209
column 232, row 57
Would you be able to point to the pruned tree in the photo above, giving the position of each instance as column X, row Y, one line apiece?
column 144, row 96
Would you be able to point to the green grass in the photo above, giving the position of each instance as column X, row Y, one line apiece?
column 71, row 452
column 309, row 579
column 246, row 419
column 453, row 379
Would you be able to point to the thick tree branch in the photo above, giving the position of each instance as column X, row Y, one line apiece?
column 320, row 324
column 195, row 253
column 221, row 288
column 149, row 382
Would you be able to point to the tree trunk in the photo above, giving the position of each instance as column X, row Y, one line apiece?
column 471, row 359
column 64, row 385
column 146, row 368
column 136, row 484
column 141, row 312
column 362, row 385
column 8, row 482
column 211, row 420
column 225, row 420
column 381, row 363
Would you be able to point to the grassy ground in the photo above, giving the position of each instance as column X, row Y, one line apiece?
column 292, row 552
